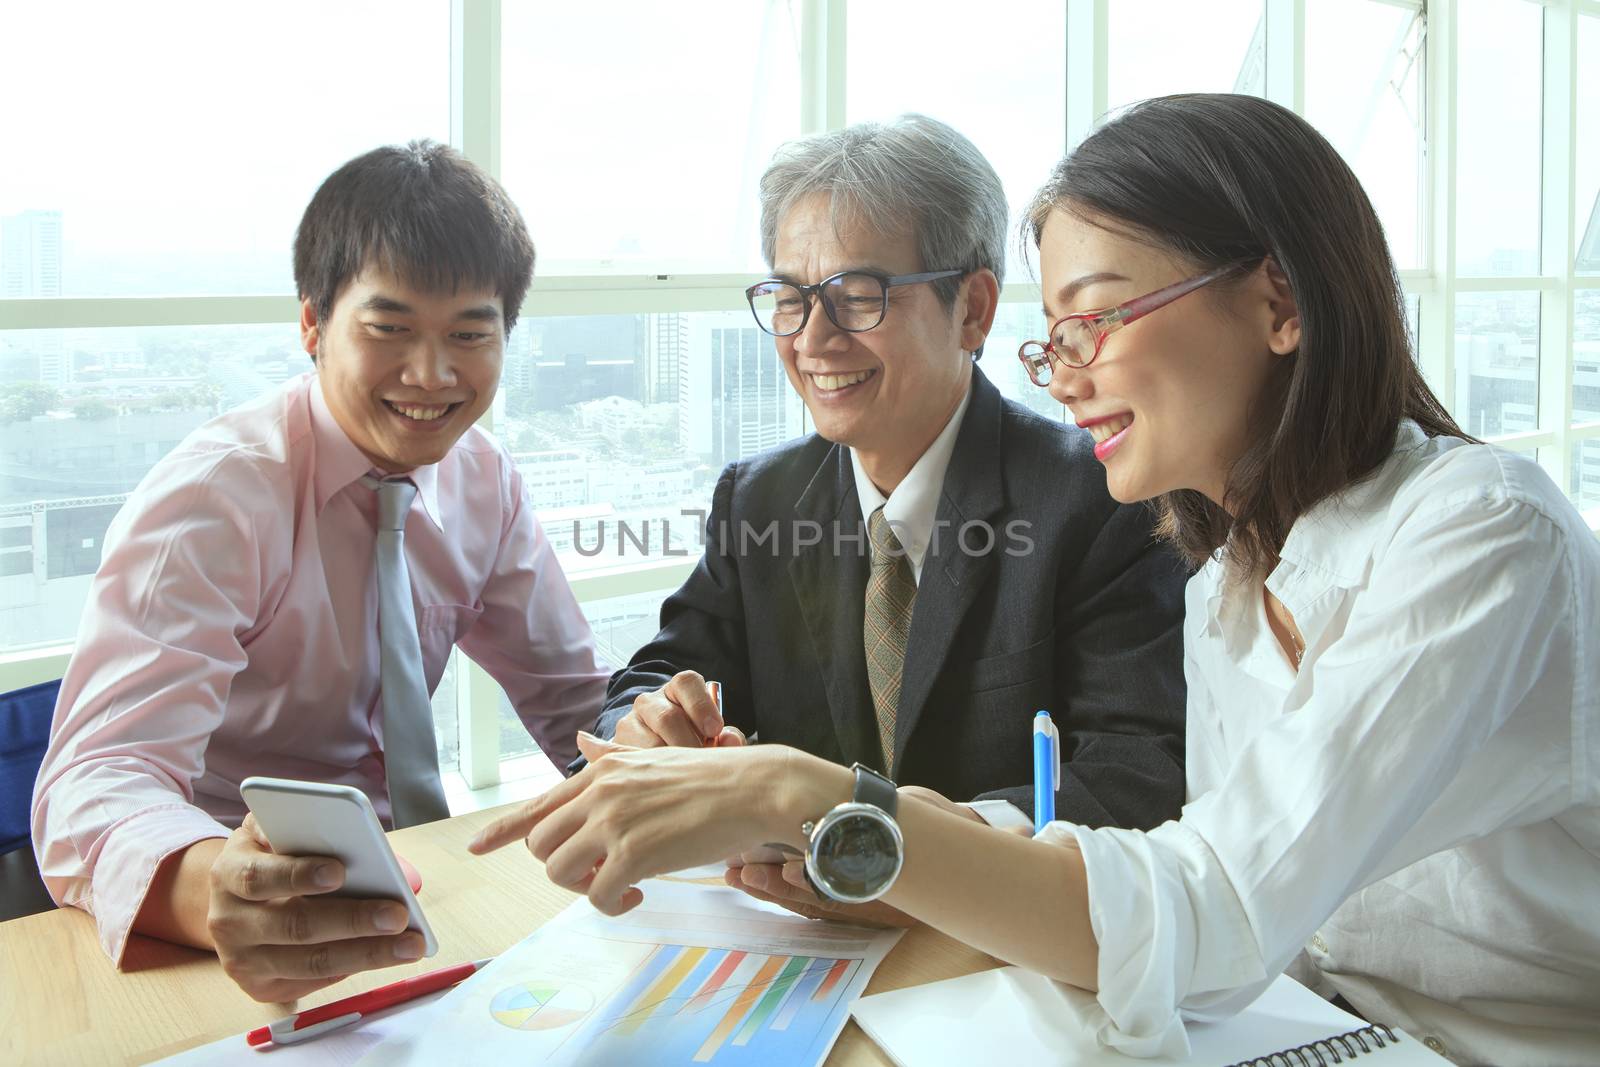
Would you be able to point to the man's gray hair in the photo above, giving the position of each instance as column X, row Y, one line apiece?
column 910, row 175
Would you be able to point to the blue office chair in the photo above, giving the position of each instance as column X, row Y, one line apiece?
column 24, row 732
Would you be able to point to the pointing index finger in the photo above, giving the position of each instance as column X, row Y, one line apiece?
column 520, row 823
column 503, row 831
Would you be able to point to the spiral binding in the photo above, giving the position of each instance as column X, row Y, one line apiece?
column 1353, row 1043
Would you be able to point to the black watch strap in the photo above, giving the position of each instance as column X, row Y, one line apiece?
column 874, row 788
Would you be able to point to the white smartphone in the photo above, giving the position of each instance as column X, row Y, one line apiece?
column 315, row 819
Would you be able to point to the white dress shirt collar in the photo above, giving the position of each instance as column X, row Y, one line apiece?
column 1338, row 535
column 910, row 509
column 1330, row 546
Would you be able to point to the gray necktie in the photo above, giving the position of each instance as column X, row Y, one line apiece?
column 410, row 753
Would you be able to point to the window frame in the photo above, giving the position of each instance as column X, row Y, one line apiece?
column 475, row 87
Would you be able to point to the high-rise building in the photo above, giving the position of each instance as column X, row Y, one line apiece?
column 585, row 357
column 30, row 254
column 734, row 398
column 576, row 377
column 30, row 266
column 751, row 406
column 666, row 342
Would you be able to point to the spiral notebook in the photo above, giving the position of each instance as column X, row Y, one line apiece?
column 1016, row 1017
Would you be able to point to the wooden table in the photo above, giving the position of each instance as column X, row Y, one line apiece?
column 61, row 1001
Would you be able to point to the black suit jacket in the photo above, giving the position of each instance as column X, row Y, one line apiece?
column 1070, row 606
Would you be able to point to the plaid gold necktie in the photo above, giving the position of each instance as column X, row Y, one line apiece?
column 891, row 594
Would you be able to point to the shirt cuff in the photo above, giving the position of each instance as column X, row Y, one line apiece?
column 134, row 849
column 1171, row 932
column 1001, row 814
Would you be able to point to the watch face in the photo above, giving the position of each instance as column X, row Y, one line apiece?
column 858, row 855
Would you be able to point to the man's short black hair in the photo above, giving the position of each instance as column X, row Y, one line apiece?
column 420, row 212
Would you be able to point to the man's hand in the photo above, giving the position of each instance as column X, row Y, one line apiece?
column 938, row 800
column 277, row 939
column 784, row 884
column 680, row 713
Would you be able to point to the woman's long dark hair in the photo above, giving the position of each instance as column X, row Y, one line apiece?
column 1222, row 179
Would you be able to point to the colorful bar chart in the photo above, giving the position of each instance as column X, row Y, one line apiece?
column 687, row 1004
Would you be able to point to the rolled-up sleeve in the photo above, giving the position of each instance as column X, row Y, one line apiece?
column 1198, row 949
column 1389, row 755
column 156, row 655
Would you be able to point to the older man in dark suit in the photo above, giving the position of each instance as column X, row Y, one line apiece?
column 910, row 584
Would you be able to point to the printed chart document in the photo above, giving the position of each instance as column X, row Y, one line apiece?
column 1016, row 1017
column 696, row 974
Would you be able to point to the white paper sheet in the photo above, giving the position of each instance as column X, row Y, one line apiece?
column 1019, row 1018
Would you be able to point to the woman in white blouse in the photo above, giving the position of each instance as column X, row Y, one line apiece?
column 1394, row 692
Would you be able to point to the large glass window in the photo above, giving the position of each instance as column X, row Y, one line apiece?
column 620, row 425
column 1586, row 356
column 1585, row 472
column 1587, row 146
column 162, row 150
column 1498, row 94
column 633, row 134
column 1363, row 86
column 1584, row 480
column 1497, row 362
column 1007, row 98
column 1158, row 47
column 621, row 624
column 446, row 720
column 84, row 414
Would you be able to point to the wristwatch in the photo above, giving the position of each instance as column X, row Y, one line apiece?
column 856, row 850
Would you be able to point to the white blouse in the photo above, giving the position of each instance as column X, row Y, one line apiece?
column 1415, row 814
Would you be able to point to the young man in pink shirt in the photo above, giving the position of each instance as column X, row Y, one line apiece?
column 234, row 626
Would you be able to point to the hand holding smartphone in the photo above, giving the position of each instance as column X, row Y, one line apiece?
column 314, row 819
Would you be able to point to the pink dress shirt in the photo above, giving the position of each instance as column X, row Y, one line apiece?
column 232, row 630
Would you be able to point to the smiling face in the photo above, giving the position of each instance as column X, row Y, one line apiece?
column 405, row 373
column 886, row 392
column 1169, row 398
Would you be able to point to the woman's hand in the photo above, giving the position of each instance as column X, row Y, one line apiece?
column 635, row 813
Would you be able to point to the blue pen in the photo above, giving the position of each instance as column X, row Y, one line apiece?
column 1046, row 769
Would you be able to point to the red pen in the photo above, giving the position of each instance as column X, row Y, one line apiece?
column 319, row 1021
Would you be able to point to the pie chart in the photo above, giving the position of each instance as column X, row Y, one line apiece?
column 540, row 1005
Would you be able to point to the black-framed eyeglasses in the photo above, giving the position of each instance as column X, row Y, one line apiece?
column 854, row 300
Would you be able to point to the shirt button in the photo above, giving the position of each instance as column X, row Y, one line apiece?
column 1318, row 944
column 1434, row 1044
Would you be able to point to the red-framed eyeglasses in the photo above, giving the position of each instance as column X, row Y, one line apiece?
column 1076, row 340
